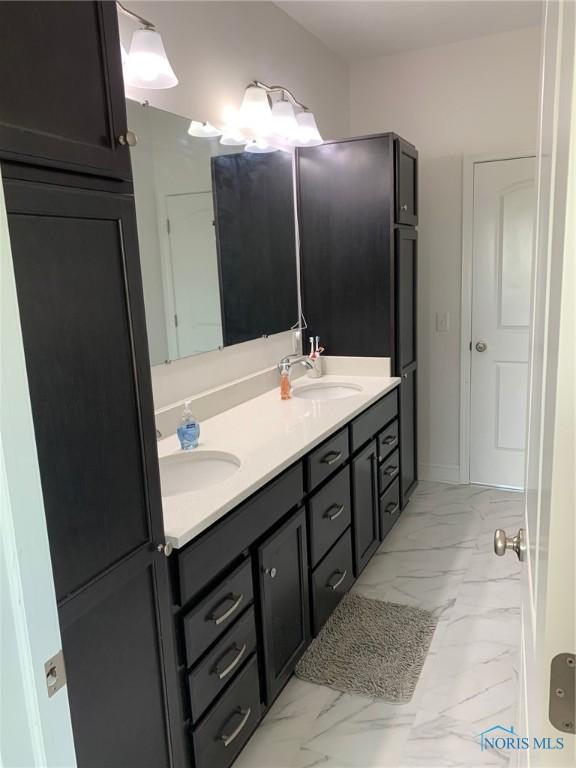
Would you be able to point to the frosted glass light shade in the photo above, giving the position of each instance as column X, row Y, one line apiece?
column 147, row 65
column 255, row 113
column 284, row 120
column 308, row 134
column 259, row 147
column 203, row 130
column 232, row 138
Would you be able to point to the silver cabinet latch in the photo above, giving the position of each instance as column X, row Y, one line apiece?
column 563, row 692
column 55, row 673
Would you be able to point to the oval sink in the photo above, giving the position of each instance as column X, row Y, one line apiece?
column 326, row 391
column 196, row 469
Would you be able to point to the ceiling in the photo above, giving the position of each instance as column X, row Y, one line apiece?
column 360, row 30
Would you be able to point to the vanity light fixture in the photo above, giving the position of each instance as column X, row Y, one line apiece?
column 146, row 65
column 266, row 124
column 203, row 130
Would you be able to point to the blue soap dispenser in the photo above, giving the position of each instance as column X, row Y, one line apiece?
column 189, row 429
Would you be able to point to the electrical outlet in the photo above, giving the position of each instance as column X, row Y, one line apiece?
column 442, row 322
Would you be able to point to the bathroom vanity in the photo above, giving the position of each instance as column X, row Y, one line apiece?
column 264, row 557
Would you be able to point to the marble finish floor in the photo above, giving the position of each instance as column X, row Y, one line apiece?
column 439, row 557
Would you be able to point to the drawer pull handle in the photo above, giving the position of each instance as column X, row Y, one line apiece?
column 340, row 580
column 390, row 440
column 233, row 664
column 391, row 508
column 334, row 515
column 391, row 470
column 227, row 739
column 331, row 458
column 219, row 619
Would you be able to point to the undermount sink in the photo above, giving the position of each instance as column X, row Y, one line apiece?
column 195, row 469
column 326, row 391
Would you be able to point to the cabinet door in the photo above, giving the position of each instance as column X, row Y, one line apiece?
column 81, row 310
column 365, row 505
column 406, row 268
column 63, row 95
column 406, row 173
column 408, row 442
column 284, row 597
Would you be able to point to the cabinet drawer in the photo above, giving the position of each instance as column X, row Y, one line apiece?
column 204, row 624
column 203, row 559
column 326, row 459
column 389, row 508
column 330, row 514
column 228, row 726
column 374, row 419
column 389, row 470
column 388, row 440
column 331, row 580
column 222, row 664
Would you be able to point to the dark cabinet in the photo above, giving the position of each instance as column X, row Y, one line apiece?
column 284, row 591
column 62, row 99
column 406, row 178
column 406, row 262
column 365, row 505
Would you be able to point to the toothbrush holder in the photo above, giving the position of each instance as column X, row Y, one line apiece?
column 318, row 371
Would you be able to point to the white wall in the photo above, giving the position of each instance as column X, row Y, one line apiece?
column 216, row 48
column 472, row 97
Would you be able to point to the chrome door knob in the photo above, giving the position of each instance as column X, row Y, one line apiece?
column 128, row 139
column 165, row 548
column 517, row 543
column 481, row 346
column 270, row 572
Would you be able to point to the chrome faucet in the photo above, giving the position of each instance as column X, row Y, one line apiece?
column 285, row 365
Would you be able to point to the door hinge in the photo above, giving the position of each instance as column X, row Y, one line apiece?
column 176, row 321
column 55, row 673
column 168, row 226
column 563, row 692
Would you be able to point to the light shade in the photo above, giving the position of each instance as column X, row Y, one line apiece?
column 203, row 130
column 255, row 113
column 232, row 138
column 308, row 134
column 284, row 122
column 147, row 65
column 259, row 147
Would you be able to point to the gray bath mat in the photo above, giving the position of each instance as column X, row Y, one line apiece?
column 371, row 648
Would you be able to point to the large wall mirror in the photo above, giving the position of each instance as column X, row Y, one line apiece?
column 217, row 238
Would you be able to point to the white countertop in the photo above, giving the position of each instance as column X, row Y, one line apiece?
column 267, row 435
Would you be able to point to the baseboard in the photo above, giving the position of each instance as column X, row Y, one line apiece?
column 440, row 473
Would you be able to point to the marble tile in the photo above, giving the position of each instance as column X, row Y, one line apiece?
column 439, row 556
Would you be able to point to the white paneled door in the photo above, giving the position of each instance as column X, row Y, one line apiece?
column 503, row 225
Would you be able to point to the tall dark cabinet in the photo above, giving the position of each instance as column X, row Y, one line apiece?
column 358, row 208
column 66, row 176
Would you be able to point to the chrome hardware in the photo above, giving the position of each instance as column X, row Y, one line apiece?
column 228, row 739
column 481, row 346
column 271, row 572
column 128, row 139
column 233, row 664
column 340, row 580
column 331, row 458
column 562, row 700
column 404, row 375
column 219, row 619
column 55, row 673
column 404, row 207
column 390, row 440
column 285, row 365
column 165, row 548
column 515, row 543
column 391, row 471
column 391, row 508
column 339, row 509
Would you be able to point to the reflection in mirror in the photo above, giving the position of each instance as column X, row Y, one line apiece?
column 216, row 234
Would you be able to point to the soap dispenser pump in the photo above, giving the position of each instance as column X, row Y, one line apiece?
column 189, row 429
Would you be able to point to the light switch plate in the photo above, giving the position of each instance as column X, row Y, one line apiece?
column 442, row 322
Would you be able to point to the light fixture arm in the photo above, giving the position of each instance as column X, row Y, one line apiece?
column 278, row 89
column 131, row 15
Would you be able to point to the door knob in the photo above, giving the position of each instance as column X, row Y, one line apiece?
column 165, row 548
column 515, row 543
column 270, row 572
column 481, row 346
column 128, row 139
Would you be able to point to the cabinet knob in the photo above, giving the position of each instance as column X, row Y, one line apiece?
column 404, row 207
column 128, row 139
column 271, row 572
column 166, row 548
